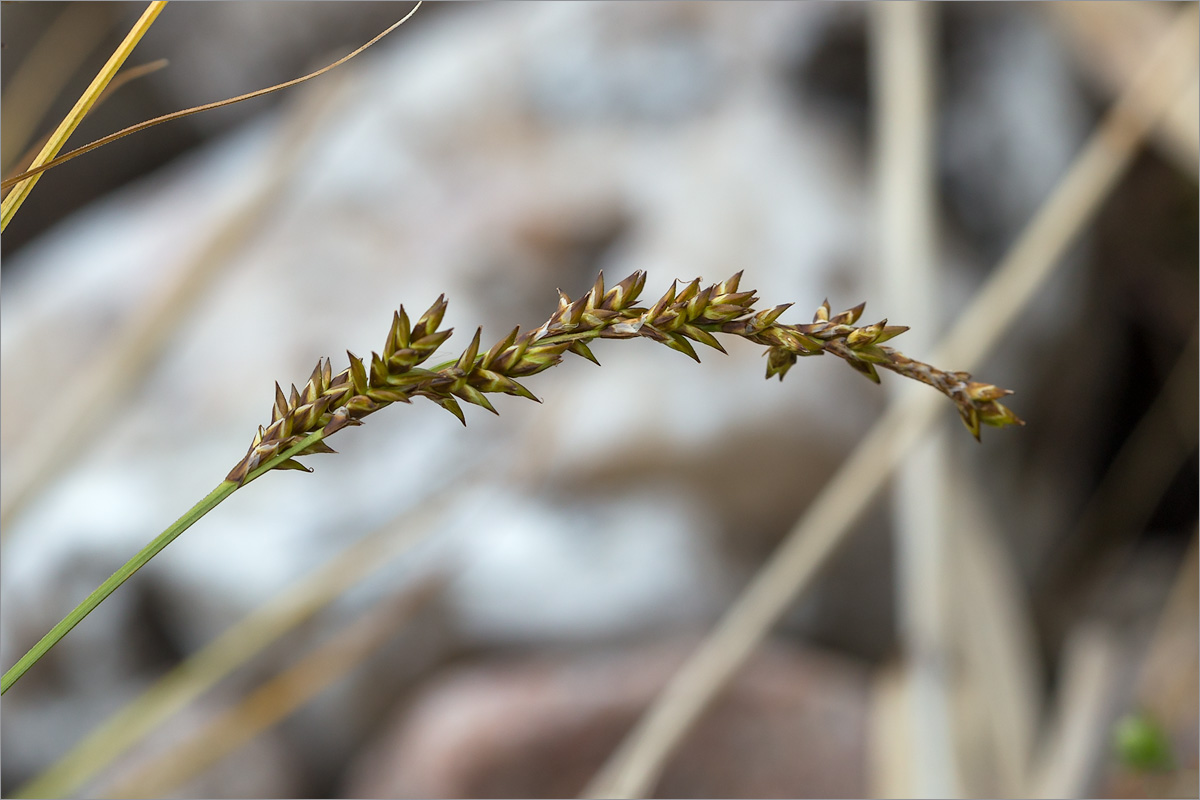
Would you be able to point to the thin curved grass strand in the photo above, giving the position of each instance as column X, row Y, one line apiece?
column 187, row 112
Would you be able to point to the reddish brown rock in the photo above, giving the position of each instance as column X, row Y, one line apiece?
column 791, row 725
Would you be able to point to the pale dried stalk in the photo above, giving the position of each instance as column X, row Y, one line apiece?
column 123, row 77
column 995, row 640
column 1078, row 730
column 24, row 183
column 72, row 419
column 902, row 37
column 1108, row 41
column 41, row 165
column 636, row 764
column 330, row 402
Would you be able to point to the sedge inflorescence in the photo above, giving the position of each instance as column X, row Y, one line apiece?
column 680, row 317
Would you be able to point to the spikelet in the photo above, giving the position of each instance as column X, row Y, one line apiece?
column 680, row 317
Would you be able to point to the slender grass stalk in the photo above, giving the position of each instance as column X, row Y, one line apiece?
column 121, row 363
column 41, row 166
column 123, row 574
column 904, row 67
column 301, row 422
column 143, row 556
column 123, row 77
column 242, row 642
column 17, row 196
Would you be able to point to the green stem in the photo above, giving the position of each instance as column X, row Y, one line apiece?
column 197, row 511
column 211, row 501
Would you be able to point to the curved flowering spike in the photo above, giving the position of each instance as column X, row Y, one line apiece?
column 403, row 329
column 428, row 324
column 677, row 342
column 498, row 348
column 625, row 328
column 625, row 293
column 316, row 448
column 868, row 335
column 596, row 318
column 702, row 336
column 466, row 362
column 390, row 346
column 315, row 386
column 426, row 346
column 339, row 419
column 743, row 299
column 330, row 402
column 998, row 416
column 596, row 295
column 537, row 359
column 361, row 405
column 723, row 312
column 871, row 352
column 281, row 404
column 689, row 291
column 639, row 284
column 970, row 418
column 669, row 319
column 663, row 302
column 765, row 319
column 890, row 332
column 306, row 416
column 986, row 391
column 400, row 335
column 568, row 318
column 379, row 371
column 514, row 354
column 494, row 382
column 470, row 394
column 699, row 303
column 282, row 429
column 865, row 368
column 581, row 349
column 849, row 316
column 779, row 361
column 451, row 405
column 730, row 284
column 358, row 374
column 385, row 395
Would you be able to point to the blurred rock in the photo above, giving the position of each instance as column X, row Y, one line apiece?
column 792, row 724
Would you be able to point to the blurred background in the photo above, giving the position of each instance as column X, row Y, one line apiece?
column 488, row 612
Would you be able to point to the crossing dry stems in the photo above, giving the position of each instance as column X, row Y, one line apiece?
column 680, row 317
